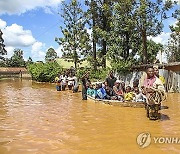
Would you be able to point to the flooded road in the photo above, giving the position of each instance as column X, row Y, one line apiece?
column 35, row 118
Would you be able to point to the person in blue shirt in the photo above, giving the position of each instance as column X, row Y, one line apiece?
column 91, row 91
column 101, row 92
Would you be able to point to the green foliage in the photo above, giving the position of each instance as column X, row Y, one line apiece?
column 51, row 55
column 173, row 47
column 29, row 61
column 44, row 72
column 95, row 75
column 2, row 49
column 17, row 59
column 76, row 39
column 148, row 16
column 123, row 34
column 122, row 66
column 100, row 11
column 152, row 50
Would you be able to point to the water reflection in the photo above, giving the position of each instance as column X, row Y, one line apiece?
column 34, row 118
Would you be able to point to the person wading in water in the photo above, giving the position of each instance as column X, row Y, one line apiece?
column 85, row 81
column 111, row 79
column 155, row 93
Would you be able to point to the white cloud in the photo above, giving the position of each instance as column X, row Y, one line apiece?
column 16, row 36
column 37, row 51
column 58, row 51
column 162, row 57
column 19, row 6
column 10, row 51
column 162, row 38
column 2, row 24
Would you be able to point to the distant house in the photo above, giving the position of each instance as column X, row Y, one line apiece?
column 21, row 72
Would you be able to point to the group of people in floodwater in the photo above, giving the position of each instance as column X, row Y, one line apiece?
column 113, row 89
column 67, row 79
column 151, row 92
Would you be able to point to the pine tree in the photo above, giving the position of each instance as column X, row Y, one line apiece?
column 2, row 46
column 75, row 42
column 148, row 16
column 92, row 16
column 17, row 59
column 173, row 47
column 51, row 55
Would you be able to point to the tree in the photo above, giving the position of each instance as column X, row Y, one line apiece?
column 75, row 42
column 2, row 49
column 173, row 47
column 152, row 50
column 92, row 15
column 51, row 55
column 148, row 17
column 123, row 39
column 99, row 12
column 17, row 59
column 29, row 61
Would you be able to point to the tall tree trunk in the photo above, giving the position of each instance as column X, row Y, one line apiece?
column 127, row 46
column 144, row 39
column 94, row 55
column 75, row 59
column 94, row 39
column 104, row 54
column 75, row 63
column 143, row 31
column 104, row 44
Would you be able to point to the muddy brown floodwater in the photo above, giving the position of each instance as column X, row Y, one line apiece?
column 35, row 118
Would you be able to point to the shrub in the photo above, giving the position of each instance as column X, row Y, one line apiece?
column 99, row 75
column 44, row 72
